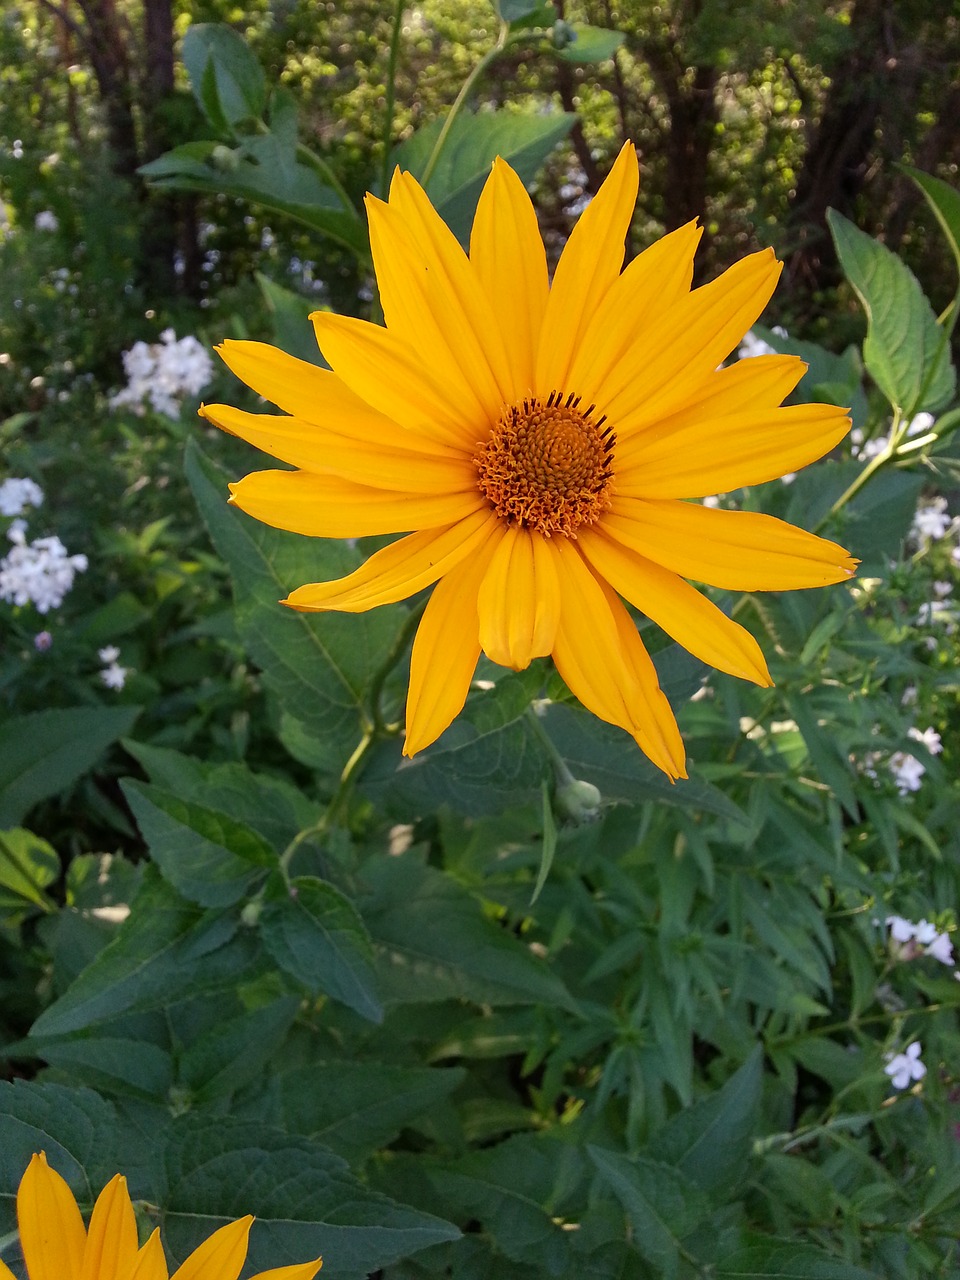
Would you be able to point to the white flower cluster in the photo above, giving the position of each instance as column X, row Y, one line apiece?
column 917, row 939
column 904, row 1067
column 16, row 495
column 162, row 373
column 46, row 220
column 931, row 522
column 907, row 770
column 864, row 449
column 752, row 345
column 113, row 675
column 39, row 572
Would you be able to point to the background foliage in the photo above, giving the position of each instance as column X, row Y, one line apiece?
column 458, row 1016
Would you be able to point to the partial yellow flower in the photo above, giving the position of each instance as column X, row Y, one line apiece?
column 57, row 1246
column 537, row 443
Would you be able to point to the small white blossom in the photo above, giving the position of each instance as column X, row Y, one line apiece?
column 865, row 449
column 942, row 589
column 163, row 373
column 930, row 739
column 39, row 573
column 941, row 948
column 904, row 1067
column 114, row 676
column 931, row 522
column 907, row 772
column 753, row 346
column 920, row 424
column 18, row 494
column 46, row 220
column 109, row 653
column 42, row 641
column 912, row 939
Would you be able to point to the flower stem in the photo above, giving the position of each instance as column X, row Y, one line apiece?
column 873, row 466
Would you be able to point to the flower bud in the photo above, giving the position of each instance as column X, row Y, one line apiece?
column 579, row 800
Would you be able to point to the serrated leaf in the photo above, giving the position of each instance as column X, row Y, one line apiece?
column 27, row 866
column 944, row 200
column 317, row 936
column 435, row 943
column 235, row 1051
column 227, row 80
column 166, row 945
column 43, row 753
column 208, row 857
column 592, row 44
column 470, row 148
column 783, row 1261
column 906, row 352
column 305, row 1200
column 318, row 665
column 710, row 1142
column 106, row 1063
column 663, row 1206
column 356, row 1107
column 75, row 1127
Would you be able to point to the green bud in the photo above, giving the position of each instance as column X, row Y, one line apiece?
column 224, row 158
column 579, row 801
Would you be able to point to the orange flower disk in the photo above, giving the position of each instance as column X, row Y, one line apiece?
column 537, row 443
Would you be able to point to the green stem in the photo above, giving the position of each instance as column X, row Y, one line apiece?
column 873, row 466
column 471, row 80
column 396, row 651
column 333, row 810
column 325, row 173
column 391, row 95
column 563, row 774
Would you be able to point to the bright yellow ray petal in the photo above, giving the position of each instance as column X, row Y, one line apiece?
column 5, row 1272
column 318, row 449
column 445, row 651
column 52, row 1234
column 686, row 615
column 739, row 550
column 588, row 266
column 653, row 281
column 330, row 507
column 307, row 391
column 508, row 256
column 704, row 455
column 299, row 1271
column 221, row 1256
column 685, row 345
column 451, row 292
column 400, row 570
column 519, row 601
column 151, row 1263
column 393, row 378
column 111, row 1247
column 601, row 659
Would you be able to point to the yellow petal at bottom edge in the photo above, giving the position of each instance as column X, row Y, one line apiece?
column 52, row 1234
column 221, row 1256
column 299, row 1271
column 151, row 1263
column 5, row 1272
column 111, row 1248
column 601, row 659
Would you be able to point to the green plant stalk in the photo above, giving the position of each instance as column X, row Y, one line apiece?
column 872, row 467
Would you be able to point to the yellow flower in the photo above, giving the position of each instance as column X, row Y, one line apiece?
column 537, row 443
column 56, row 1246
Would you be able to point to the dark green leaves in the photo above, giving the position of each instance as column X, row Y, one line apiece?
column 227, row 80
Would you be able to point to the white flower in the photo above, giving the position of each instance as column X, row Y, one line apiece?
column 46, row 220
column 901, row 930
column 753, row 346
column 40, row 573
column 904, row 1067
column 931, row 522
column 42, row 641
column 110, row 653
column 935, row 612
column 930, row 739
column 163, row 373
column 923, row 934
column 907, row 772
column 16, row 495
column 865, row 449
column 920, row 424
column 942, row 589
column 941, row 948
column 114, row 676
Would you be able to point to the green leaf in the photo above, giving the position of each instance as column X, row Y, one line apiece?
column 315, row 934
column 435, row 943
column 106, row 1063
column 166, row 946
column 227, row 80
column 781, row 1260
column 711, row 1141
column 515, row 10
column 944, row 200
column 592, row 44
column 663, row 1206
column 318, row 665
column 471, row 146
column 356, row 1107
column 906, row 352
column 292, row 331
column 27, row 866
column 43, row 753
column 207, row 856
column 234, row 1052
column 75, row 1127
column 305, row 1200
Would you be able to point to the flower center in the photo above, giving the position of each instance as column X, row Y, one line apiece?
column 547, row 466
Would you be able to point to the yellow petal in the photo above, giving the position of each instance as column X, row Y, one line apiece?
column 588, row 266
column 299, row 1271
column 400, row 570
column 319, row 449
column 508, row 256
column 635, row 302
column 221, row 1256
column 434, row 296
column 395, row 380
column 445, row 652
column 678, row 608
column 686, row 344
column 739, row 550
column 5, row 1272
column 151, row 1263
column 601, row 659
column 519, row 600
column 330, row 507
column 704, row 455
column 52, row 1235
column 111, row 1248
